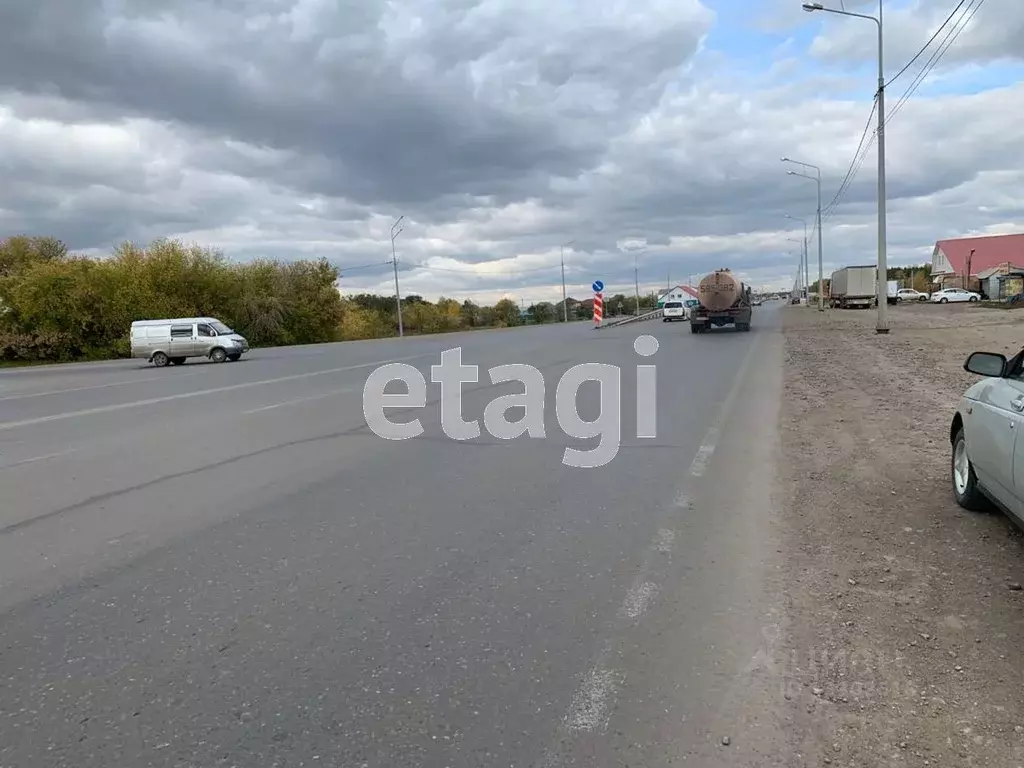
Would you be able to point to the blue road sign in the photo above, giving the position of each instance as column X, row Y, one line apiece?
column 598, row 286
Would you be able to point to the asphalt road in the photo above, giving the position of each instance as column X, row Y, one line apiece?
column 222, row 565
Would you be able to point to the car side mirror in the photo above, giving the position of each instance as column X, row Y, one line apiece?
column 986, row 364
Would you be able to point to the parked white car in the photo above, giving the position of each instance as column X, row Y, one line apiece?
column 954, row 294
column 909, row 294
column 987, row 458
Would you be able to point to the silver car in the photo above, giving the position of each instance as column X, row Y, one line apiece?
column 177, row 339
column 987, row 459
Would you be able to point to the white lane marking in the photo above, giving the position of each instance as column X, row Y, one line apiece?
column 201, row 392
column 123, row 383
column 707, row 447
column 297, row 400
column 591, row 705
column 638, row 598
column 590, row 710
column 34, row 459
column 665, row 540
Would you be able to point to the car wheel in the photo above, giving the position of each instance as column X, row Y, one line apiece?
column 218, row 355
column 943, row 300
column 973, row 298
column 160, row 359
column 965, row 483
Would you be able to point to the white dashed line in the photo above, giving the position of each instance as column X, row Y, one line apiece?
column 200, row 393
column 124, row 383
column 638, row 598
column 592, row 704
column 665, row 540
column 699, row 464
column 297, row 400
column 590, row 710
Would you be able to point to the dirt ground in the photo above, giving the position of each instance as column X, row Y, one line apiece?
column 908, row 616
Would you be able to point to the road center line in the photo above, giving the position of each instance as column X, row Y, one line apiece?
column 123, row 383
column 297, row 400
column 707, row 447
column 201, row 392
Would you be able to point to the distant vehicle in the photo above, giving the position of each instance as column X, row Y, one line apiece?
column 987, row 460
column 947, row 295
column 853, row 287
column 892, row 291
column 177, row 339
column 723, row 300
column 673, row 310
column 909, row 294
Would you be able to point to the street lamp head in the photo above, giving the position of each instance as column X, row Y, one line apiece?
column 811, row 7
column 791, row 173
column 784, row 160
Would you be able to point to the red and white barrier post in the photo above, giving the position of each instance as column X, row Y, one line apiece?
column 598, row 287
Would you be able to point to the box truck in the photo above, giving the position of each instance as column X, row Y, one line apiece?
column 853, row 287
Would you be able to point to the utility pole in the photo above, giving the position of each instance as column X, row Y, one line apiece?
column 396, row 230
column 817, row 179
column 882, row 325
column 636, row 281
column 565, row 305
column 803, row 263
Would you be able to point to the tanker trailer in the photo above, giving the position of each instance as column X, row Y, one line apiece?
column 724, row 300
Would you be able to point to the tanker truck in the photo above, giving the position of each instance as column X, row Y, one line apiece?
column 724, row 300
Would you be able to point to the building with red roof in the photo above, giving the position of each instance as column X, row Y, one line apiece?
column 978, row 263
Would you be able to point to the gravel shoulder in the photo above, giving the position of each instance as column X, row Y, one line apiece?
column 905, row 611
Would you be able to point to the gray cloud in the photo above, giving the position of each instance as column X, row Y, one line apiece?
column 499, row 130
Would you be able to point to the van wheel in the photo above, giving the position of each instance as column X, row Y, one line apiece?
column 234, row 358
column 159, row 359
column 178, row 360
column 218, row 355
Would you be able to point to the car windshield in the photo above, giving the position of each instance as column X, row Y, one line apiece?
column 673, row 305
column 220, row 328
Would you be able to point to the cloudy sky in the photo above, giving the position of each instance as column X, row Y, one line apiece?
column 501, row 129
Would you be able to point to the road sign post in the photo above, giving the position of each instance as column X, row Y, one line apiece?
column 598, row 287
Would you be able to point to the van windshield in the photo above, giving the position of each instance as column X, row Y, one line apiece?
column 220, row 328
column 673, row 304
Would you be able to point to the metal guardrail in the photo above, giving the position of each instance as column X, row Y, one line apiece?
column 633, row 319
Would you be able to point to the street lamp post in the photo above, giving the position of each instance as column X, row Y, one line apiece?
column 802, row 265
column 565, row 306
column 396, row 230
column 636, row 280
column 817, row 180
column 882, row 325
column 807, row 280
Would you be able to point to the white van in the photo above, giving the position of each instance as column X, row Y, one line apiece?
column 174, row 340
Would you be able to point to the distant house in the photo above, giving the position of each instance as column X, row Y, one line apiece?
column 679, row 293
column 989, row 264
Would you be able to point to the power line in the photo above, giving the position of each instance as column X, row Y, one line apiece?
column 862, row 150
column 848, row 179
column 474, row 273
column 951, row 37
column 925, row 46
column 342, row 268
